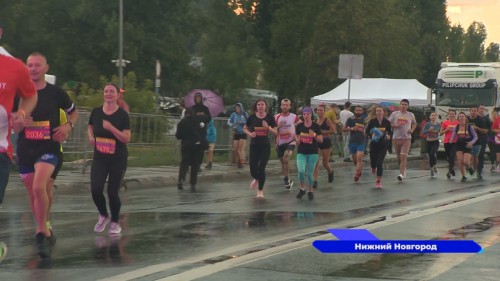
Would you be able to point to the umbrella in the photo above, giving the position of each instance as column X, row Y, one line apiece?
column 209, row 99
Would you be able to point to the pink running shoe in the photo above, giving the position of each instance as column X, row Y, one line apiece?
column 115, row 228
column 378, row 184
column 102, row 221
column 253, row 184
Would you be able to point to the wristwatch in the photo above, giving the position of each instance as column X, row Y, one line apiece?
column 70, row 124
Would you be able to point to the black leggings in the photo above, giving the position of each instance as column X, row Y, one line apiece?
column 378, row 150
column 450, row 150
column 192, row 155
column 432, row 148
column 259, row 155
column 113, row 170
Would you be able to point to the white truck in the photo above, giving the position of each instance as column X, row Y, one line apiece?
column 462, row 85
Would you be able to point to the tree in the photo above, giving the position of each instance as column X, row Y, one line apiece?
column 455, row 41
column 229, row 52
column 492, row 52
column 474, row 42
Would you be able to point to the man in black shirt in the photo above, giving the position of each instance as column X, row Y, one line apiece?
column 478, row 123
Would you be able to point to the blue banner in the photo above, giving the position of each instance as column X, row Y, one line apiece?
column 364, row 242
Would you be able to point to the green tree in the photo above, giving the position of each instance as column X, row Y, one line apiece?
column 229, row 52
column 474, row 42
column 492, row 52
column 455, row 41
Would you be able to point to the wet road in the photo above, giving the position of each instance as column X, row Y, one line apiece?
column 177, row 235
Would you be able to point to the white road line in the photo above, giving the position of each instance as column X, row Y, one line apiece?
column 412, row 212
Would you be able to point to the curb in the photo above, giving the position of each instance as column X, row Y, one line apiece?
column 212, row 175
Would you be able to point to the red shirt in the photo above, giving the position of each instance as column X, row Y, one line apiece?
column 496, row 126
column 447, row 123
column 14, row 80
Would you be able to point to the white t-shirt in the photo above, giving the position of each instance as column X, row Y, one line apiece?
column 405, row 120
column 344, row 115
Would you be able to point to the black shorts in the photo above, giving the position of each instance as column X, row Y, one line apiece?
column 326, row 144
column 239, row 137
column 58, row 166
column 461, row 146
column 284, row 147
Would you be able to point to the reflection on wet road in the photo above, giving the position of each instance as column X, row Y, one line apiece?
column 222, row 221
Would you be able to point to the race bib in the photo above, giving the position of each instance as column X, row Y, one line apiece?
column 261, row 131
column 105, row 145
column 402, row 121
column 285, row 135
column 38, row 130
column 359, row 127
column 306, row 138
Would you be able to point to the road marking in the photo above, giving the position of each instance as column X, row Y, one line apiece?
column 396, row 216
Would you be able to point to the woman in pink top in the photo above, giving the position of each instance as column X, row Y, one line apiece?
column 447, row 130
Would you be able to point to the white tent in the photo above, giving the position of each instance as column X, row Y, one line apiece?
column 376, row 90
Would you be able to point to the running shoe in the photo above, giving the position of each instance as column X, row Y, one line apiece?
column 102, row 221
column 330, row 177
column 435, row 170
column 452, row 173
column 286, row 180
column 42, row 245
column 301, row 193
column 315, row 184
column 464, row 179
column 432, row 173
column 401, row 177
column 310, row 195
column 471, row 171
column 289, row 185
column 3, row 251
column 374, row 171
column 253, row 184
column 357, row 176
column 378, row 184
column 115, row 228
column 448, row 175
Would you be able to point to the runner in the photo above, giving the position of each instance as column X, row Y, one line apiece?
column 327, row 128
column 356, row 128
column 308, row 135
column 379, row 131
column 447, row 128
column 344, row 115
column 495, row 128
column 39, row 145
column 285, row 140
column 258, row 126
column 431, row 129
column 481, row 127
column 403, row 124
column 211, row 136
column 108, row 131
column 464, row 136
column 237, row 121
column 14, row 80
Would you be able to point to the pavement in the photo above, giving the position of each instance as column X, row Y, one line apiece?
column 166, row 176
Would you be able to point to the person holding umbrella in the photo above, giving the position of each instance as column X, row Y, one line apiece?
column 258, row 126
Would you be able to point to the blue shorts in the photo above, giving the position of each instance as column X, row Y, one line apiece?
column 475, row 149
column 46, row 158
column 356, row 147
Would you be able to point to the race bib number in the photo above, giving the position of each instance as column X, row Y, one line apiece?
column 402, row 121
column 261, row 131
column 306, row 138
column 105, row 145
column 359, row 127
column 38, row 130
column 285, row 136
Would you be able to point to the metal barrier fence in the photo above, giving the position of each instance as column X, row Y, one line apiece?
column 148, row 130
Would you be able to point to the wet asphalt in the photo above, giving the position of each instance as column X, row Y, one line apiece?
column 222, row 232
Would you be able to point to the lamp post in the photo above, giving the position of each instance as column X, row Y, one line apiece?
column 120, row 62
